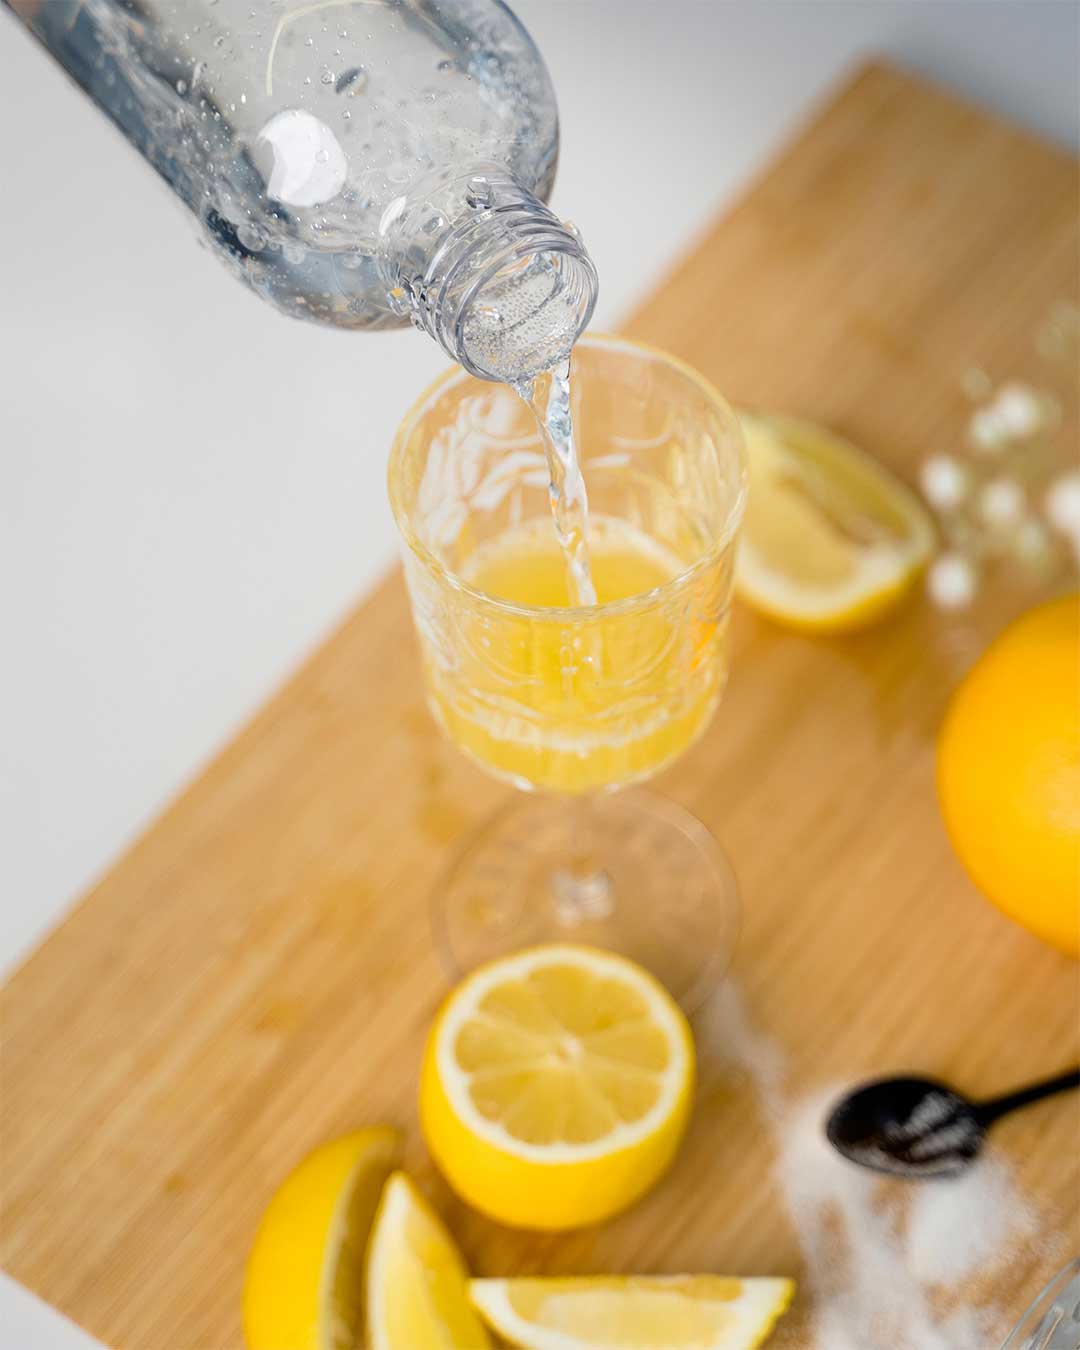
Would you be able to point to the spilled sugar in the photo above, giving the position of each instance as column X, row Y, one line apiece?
column 960, row 1226
column 884, row 1261
column 868, row 1289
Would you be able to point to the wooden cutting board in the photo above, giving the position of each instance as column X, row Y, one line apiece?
column 257, row 973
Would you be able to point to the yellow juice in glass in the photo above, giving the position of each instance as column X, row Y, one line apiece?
column 583, row 698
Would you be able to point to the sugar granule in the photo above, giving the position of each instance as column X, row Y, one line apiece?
column 960, row 1225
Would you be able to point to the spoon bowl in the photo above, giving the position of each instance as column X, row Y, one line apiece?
column 914, row 1127
column 919, row 1127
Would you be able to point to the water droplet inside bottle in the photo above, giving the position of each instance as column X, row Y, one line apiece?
column 327, row 77
column 444, row 66
column 309, row 42
column 321, row 156
column 219, row 41
column 346, row 114
column 352, row 81
column 181, row 86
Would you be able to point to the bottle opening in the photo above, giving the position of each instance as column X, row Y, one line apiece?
column 526, row 314
column 508, row 287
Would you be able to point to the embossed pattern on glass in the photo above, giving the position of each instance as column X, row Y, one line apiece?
column 561, row 698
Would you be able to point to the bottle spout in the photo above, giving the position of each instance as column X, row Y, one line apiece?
column 508, row 288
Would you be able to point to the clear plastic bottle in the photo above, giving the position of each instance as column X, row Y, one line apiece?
column 360, row 163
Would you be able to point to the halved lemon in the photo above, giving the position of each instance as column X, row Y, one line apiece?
column 662, row 1312
column 831, row 539
column 304, row 1284
column 556, row 1086
column 417, row 1284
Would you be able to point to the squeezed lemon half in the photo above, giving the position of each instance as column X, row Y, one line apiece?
column 831, row 539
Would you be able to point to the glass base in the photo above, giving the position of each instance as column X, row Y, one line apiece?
column 630, row 872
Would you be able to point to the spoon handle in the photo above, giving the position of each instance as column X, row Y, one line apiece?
column 988, row 1112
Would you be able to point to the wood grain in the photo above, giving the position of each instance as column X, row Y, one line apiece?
column 257, row 973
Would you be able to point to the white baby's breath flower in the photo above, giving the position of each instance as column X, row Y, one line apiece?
column 952, row 581
column 944, row 482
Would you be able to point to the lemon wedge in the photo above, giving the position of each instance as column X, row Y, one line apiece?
column 556, row 1086
column 417, row 1294
column 676, row 1312
column 304, row 1283
column 830, row 539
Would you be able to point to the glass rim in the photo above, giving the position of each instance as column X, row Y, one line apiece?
column 568, row 613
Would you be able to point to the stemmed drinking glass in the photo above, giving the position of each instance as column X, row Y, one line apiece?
column 1053, row 1320
column 575, row 704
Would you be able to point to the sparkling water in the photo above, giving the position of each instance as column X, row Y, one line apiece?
column 298, row 131
column 364, row 164
column 548, row 394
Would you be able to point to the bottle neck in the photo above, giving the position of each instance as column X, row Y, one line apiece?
column 484, row 267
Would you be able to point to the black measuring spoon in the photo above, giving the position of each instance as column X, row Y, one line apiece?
column 918, row 1127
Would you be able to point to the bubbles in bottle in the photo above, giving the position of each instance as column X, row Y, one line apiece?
column 252, row 237
column 352, row 81
column 259, row 185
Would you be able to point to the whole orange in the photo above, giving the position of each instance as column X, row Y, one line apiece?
column 1009, row 772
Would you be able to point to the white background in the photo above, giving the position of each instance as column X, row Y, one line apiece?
column 192, row 489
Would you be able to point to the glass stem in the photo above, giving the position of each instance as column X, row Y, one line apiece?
column 581, row 887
